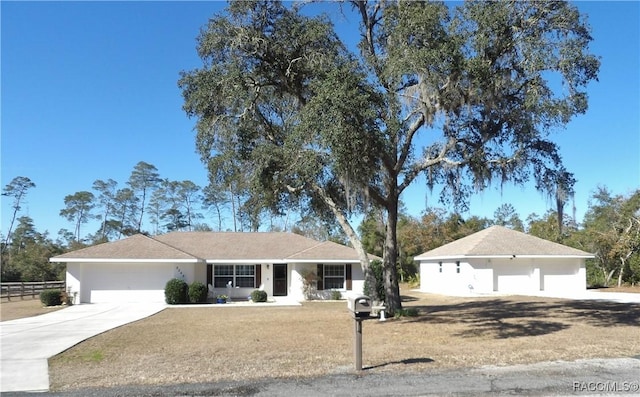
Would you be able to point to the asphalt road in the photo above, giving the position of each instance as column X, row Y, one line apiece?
column 584, row 377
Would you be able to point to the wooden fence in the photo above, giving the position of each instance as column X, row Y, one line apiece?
column 20, row 290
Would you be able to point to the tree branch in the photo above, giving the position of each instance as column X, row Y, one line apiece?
column 404, row 151
column 430, row 162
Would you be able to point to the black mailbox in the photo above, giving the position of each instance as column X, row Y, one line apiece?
column 360, row 306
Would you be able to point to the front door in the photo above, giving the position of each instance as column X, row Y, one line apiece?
column 280, row 279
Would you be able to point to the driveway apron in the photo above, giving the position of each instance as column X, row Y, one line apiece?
column 27, row 343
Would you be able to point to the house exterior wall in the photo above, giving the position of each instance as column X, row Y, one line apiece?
column 125, row 282
column 73, row 280
column 299, row 270
column 145, row 282
column 295, row 283
column 481, row 277
column 357, row 275
column 443, row 277
column 266, row 283
column 504, row 275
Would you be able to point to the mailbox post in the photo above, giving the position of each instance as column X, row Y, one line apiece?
column 360, row 308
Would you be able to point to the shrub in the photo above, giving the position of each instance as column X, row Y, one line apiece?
column 176, row 292
column 336, row 295
column 198, row 292
column 51, row 297
column 414, row 281
column 259, row 296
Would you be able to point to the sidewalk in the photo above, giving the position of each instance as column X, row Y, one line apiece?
column 27, row 343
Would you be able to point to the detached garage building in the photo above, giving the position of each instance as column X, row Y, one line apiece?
column 502, row 260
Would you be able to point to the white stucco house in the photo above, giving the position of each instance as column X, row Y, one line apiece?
column 137, row 268
column 501, row 260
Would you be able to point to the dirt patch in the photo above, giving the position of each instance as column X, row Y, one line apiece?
column 212, row 344
column 632, row 289
column 12, row 310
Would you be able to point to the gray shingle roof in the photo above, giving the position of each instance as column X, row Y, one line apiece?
column 137, row 247
column 239, row 246
column 498, row 241
column 220, row 246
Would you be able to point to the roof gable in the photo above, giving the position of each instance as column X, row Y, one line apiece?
column 326, row 250
column 497, row 241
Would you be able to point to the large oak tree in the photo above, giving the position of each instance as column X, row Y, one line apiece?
column 463, row 95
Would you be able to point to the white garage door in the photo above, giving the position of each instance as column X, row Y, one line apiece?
column 511, row 278
column 120, row 282
column 561, row 277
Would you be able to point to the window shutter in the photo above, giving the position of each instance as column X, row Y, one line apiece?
column 258, row 276
column 320, row 275
column 347, row 275
column 209, row 275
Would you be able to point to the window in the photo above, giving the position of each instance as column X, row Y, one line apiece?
column 440, row 267
column 222, row 274
column 334, row 277
column 457, row 266
column 243, row 276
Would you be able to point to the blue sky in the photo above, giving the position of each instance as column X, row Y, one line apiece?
column 90, row 88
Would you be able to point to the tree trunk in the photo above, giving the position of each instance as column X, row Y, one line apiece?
column 608, row 279
column 620, row 275
column 233, row 210
column 623, row 261
column 390, row 259
column 369, row 277
column 5, row 247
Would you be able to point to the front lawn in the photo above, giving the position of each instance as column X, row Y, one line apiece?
column 211, row 344
column 28, row 307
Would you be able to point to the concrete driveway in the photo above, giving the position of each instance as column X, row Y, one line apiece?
column 619, row 297
column 27, row 343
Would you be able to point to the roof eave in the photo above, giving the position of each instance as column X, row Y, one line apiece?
column 323, row 261
column 445, row 257
column 254, row 261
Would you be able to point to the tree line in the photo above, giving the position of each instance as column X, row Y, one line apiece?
column 610, row 230
column 146, row 203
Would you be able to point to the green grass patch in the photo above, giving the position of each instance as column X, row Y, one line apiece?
column 94, row 356
column 410, row 312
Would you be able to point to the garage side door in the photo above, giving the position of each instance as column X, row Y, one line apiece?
column 122, row 282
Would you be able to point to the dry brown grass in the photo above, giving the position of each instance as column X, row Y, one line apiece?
column 624, row 288
column 213, row 344
column 12, row 310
